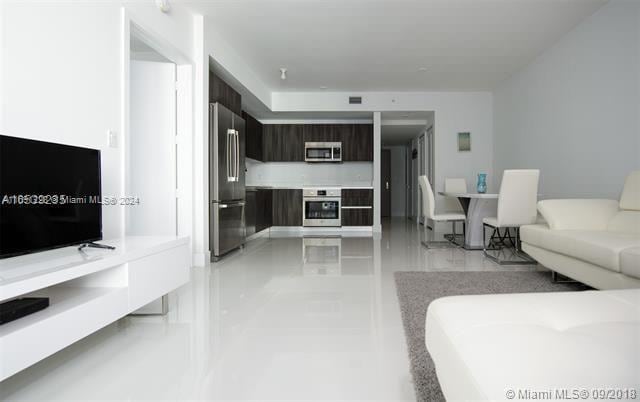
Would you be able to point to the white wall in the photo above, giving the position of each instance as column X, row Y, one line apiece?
column 574, row 112
column 398, row 180
column 62, row 69
column 308, row 174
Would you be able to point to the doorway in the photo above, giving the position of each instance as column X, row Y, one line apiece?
column 385, row 177
column 157, row 135
column 157, row 131
column 150, row 146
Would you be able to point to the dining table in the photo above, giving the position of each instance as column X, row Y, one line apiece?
column 476, row 206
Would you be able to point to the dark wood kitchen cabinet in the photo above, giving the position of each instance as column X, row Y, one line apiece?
column 357, row 207
column 283, row 142
column 287, row 207
column 250, row 209
column 220, row 91
column 258, row 210
column 253, row 137
column 357, row 217
column 356, row 197
column 357, row 143
column 325, row 132
column 264, row 210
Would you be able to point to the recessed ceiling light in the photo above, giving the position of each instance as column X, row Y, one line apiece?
column 323, row 88
column 423, row 69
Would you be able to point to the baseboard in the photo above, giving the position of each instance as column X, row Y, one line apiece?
column 257, row 235
column 201, row 259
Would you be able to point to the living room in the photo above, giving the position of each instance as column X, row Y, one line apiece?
column 510, row 255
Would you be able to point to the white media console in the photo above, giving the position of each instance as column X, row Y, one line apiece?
column 87, row 289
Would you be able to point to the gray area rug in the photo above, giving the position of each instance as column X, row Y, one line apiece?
column 417, row 289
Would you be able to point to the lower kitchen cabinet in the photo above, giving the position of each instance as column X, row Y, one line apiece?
column 264, row 211
column 362, row 216
column 258, row 210
column 287, row 207
column 357, row 207
column 250, row 208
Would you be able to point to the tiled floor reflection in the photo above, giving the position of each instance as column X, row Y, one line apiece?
column 287, row 318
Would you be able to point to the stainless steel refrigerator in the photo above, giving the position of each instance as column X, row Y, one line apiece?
column 226, row 180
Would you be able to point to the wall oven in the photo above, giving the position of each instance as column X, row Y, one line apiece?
column 323, row 152
column 321, row 207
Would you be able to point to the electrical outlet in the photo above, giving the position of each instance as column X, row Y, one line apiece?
column 112, row 139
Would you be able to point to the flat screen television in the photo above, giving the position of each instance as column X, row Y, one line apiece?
column 49, row 196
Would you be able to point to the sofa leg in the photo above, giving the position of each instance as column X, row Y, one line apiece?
column 558, row 278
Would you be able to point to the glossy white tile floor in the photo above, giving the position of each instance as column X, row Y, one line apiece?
column 261, row 325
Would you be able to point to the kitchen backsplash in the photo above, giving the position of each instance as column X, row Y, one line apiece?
column 283, row 173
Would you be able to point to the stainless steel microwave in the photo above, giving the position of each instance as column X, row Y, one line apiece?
column 323, row 152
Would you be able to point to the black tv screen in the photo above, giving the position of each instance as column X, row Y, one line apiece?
column 49, row 196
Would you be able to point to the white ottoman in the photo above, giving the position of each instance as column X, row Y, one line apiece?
column 483, row 346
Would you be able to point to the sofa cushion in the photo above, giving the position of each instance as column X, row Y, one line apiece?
column 625, row 222
column 597, row 247
column 630, row 262
column 483, row 346
column 579, row 214
column 630, row 198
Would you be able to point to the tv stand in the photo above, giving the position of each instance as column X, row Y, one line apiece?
column 96, row 245
column 84, row 294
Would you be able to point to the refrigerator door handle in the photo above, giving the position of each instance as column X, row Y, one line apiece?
column 237, row 155
column 230, row 154
column 231, row 205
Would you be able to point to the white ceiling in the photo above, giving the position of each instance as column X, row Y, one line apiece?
column 399, row 128
column 380, row 45
column 400, row 135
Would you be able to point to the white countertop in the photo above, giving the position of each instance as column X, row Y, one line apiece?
column 469, row 195
column 310, row 185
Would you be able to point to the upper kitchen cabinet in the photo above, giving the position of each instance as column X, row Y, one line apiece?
column 325, row 132
column 220, row 91
column 283, row 142
column 357, row 143
column 253, row 129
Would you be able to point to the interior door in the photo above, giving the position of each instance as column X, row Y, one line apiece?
column 385, row 176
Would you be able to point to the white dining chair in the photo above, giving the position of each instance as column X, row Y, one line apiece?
column 452, row 204
column 454, row 185
column 429, row 213
column 517, row 206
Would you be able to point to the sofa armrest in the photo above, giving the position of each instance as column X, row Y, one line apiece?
column 578, row 214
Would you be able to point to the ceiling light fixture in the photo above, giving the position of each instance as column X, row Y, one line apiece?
column 283, row 73
column 163, row 5
column 323, row 88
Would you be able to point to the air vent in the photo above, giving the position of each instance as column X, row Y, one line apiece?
column 355, row 100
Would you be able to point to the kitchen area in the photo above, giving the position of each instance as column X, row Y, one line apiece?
column 306, row 178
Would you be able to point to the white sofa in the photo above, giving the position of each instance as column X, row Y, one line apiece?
column 485, row 347
column 596, row 242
